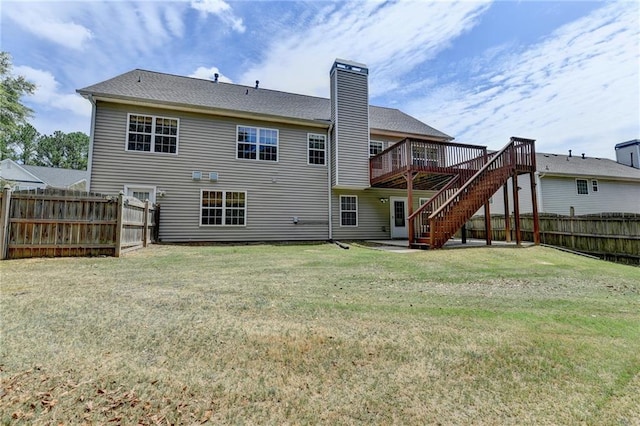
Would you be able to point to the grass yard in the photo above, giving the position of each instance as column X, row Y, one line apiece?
column 314, row 334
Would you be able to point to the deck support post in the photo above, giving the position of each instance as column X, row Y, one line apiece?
column 534, row 205
column 516, row 208
column 487, row 223
column 507, row 218
column 409, row 178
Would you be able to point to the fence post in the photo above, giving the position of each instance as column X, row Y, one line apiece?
column 145, row 230
column 4, row 221
column 120, row 214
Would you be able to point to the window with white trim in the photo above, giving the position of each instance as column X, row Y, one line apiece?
column 223, row 208
column 317, row 149
column 142, row 193
column 149, row 133
column 348, row 210
column 256, row 143
column 375, row 148
column 424, row 155
column 594, row 186
column 582, row 186
column 423, row 200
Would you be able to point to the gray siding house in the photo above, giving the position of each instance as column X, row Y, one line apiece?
column 22, row 177
column 228, row 162
column 567, row 184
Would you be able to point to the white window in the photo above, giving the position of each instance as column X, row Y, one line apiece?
column 223, row 208
column 255, row 143
column 348, row 210
column 317, row 149
column 594, row 186
column 424, row 155
column 582, row 186
column 149, row 133
column 142, row 193
column 375, row 148
column 423, row 200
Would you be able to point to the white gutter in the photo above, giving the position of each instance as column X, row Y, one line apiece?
column 91, row 136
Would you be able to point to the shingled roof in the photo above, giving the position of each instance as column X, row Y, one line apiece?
column 188, row 92
column 557, row 164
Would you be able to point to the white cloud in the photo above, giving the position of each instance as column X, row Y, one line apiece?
column 47, row 93
column 577, row 89
column 391, row 38
column 207, row 74
column 44, row 23
column 221, row 9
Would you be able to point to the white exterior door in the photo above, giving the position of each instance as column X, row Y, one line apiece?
column 398, row 212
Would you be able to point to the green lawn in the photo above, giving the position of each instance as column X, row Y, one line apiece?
column 308, row 334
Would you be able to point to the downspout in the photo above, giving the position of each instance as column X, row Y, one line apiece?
column 539, row 177
column 91, row 136
column 328, row 147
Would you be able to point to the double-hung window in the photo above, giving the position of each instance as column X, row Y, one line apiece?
column 317, row 149
column 375, row 148
column 348, row 210
column 255, row 143
column 582, row 186
column 223, row 208
column 149, row 133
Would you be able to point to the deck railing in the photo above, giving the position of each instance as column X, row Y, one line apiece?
column 445, row 158
column 517, row 156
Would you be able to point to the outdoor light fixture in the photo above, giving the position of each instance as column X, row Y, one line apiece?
column 384, row 200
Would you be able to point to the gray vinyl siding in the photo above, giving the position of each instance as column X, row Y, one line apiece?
column 350, row 112
column 276, row 191
column 374, row 219
column 559, row 194
column 627, row 154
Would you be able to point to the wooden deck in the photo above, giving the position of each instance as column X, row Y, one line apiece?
column 465, row 177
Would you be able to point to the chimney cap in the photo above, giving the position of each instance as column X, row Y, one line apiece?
column 344, row 64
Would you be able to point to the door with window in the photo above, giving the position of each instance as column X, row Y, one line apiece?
column 398, row 212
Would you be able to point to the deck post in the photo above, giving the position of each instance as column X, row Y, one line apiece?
column 507, row 218
column 409, row 178
column 516, row 208
column 487, row 223
column 534, row 205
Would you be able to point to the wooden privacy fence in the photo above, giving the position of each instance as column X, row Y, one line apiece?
column 612, row 236
column 62, row 223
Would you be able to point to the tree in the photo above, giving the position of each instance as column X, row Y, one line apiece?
column 12, row 111
column 24, row 144
column 68, row 151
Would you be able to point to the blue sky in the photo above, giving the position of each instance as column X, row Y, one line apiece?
column 565, row 73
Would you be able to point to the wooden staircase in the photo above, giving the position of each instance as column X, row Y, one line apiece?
column 436, row 221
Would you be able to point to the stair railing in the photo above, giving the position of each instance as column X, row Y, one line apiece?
column 475, row 192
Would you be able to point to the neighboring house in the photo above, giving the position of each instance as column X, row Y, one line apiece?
column 629, row 153
column 568, row 184
column 21, row 176
column 238, row 163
